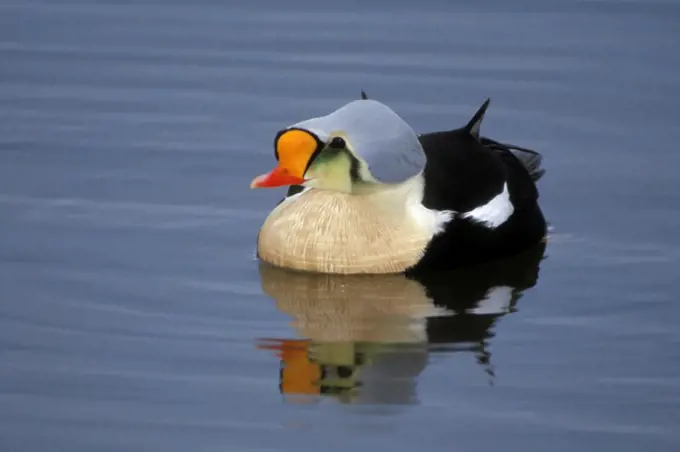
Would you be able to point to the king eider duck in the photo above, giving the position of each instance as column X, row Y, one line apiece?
column 369, row 195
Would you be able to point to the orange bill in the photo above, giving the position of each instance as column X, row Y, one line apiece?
column 295, row 148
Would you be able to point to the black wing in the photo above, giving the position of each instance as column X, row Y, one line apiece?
column 463, row 172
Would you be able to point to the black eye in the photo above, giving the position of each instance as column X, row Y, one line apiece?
column 337, row 143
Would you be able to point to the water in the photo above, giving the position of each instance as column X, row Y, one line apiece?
column 133, row 315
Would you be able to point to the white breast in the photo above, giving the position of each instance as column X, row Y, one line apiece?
column 331, row 232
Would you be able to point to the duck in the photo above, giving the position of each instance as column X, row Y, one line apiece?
column 368, row 195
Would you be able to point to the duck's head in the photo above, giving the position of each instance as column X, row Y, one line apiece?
column 363, row 144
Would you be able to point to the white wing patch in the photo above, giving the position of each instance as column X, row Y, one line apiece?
column 495, row 212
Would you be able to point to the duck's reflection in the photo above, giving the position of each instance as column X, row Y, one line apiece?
column 367, row 338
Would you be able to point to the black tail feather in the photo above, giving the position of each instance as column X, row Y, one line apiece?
column 531, row 160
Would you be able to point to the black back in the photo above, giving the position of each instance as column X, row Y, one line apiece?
column 460, row 173
column 465, row 170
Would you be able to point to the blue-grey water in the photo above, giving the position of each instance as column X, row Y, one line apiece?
column 135, row 317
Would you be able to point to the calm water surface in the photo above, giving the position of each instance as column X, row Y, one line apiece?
column 133, row 315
